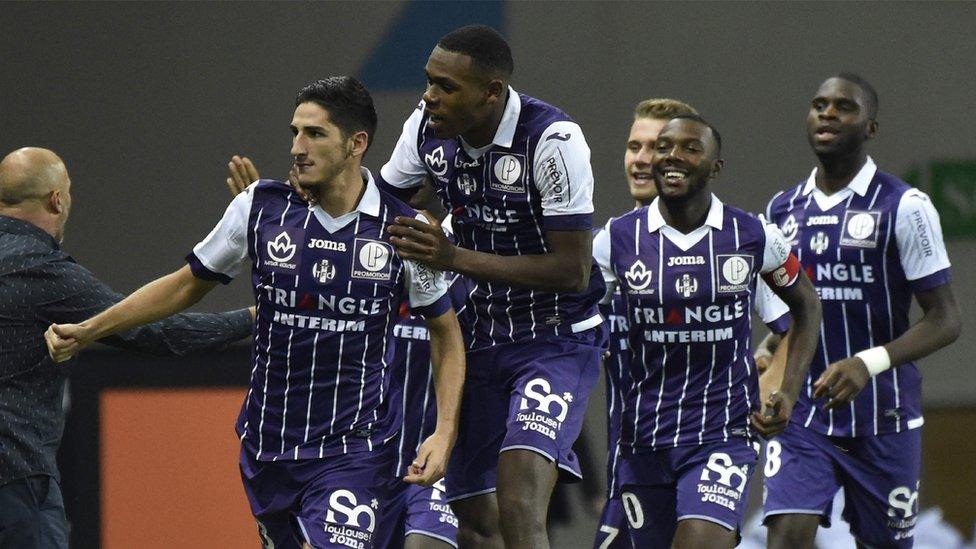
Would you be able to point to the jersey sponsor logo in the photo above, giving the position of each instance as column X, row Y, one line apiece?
column 734, row 272
column 638, row 277
column 920, row 224
column 508, row 172
column 860, row 229
column 549, row 421
column 323, row 244
column 729, row 481
column 488, row 214
column 435, row 161
column 819, row 242
column 820, row 220
column 466, row 184
column 461, row 163
column 685, row 260
column 282, row 251
column 689, row 315
column 556, row 180
column 372, row 260
column 355, row 527
column 790, row 228
column 404, row 331
column 686, row 285
column 560, row 136
column 323, row 271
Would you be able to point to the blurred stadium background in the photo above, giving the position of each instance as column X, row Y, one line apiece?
column 146, row 102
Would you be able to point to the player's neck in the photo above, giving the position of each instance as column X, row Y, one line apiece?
column 686, row 215
column 341, row 195
column 35, row 216
column 484, row 134
column 835, row 172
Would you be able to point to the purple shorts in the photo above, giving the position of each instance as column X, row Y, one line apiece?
column 345, row 501
column 879, row 474
column 660, row 488
column 613, row 532
column 429, row 514
column 528, row 395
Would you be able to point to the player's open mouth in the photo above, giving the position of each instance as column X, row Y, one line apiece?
column 642, row 178
column 674, row 175
column 825, row 133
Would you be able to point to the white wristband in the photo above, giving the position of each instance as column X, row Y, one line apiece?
column 876, row 359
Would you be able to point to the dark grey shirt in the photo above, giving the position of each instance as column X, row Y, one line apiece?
column 40, row 285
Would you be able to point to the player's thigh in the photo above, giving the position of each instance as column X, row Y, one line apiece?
column 792, row 531
column 423, row 541
column 712, row 487
column 800, row 476
column 612, row 532
column 477, row 516
column 703, row 534
column 881, row 482
column 525, row 481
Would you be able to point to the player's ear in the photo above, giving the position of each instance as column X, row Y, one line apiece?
column 717, row 165
column 357, row 144
column 872, row 128
column 55, row 203
column 496, row 90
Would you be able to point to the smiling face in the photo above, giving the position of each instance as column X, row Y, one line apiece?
column 319, row 148
column 637, row 159
column 839, row 119
column 459, row 97
column 685, row 159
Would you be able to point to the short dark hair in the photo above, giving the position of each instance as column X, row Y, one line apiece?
column 700, row 120
column 348, row 101
column 484, row 45
column 866, row 87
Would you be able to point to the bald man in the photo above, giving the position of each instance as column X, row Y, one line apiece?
column 39, row 285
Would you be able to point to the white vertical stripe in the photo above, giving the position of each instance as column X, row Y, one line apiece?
column 660, row 268
column 799, row 188
column 728, row 394
column 874, row 379
column 508, row 293
column 335, row 394
column 711, row 371
column 311, row 386
column 891, row 317
column 284, row 407
column 847, row 343
column 711, row 262
column 660, row 395
column 403, row 417
column 684, row 390
column 877, row 190
column 257, row 315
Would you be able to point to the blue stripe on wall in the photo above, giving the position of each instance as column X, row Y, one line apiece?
column 398, row 61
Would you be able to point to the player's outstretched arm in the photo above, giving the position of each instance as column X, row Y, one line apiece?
column 805, row 309
column 939, row 326
column 565, row 268
column 157, row 300
column 447, row 360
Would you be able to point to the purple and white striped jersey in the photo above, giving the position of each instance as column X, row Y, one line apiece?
column 414, row 377
column 867, row 248
column 616, row 367
column 328, row 291
column 535, row 176
column 688, row 299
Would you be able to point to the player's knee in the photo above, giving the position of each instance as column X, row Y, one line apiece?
column 476, row 523
column 522, row 511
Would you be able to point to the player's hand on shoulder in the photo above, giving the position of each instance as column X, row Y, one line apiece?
column 65, row 340
column 774, row 416
column 241, row 174
column 841, row 382
column 431, row 461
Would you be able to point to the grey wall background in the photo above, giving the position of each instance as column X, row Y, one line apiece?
column 147, row 102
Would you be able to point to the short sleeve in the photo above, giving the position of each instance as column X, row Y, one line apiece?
column 220, row 255
column 920, row 246
column 776, row 250
column 404, row 170
column 427, row 289
column 601, row 254
column 564, row 177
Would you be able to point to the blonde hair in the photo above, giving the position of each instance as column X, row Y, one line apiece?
column 663, row 109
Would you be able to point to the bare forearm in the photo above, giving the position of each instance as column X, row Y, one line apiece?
column 159, row 299
column 931, row 333
column 447, row 360
column 547, row 272
column 803, row 339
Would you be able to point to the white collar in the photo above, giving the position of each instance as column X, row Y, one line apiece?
column 505, row 134
column 369, row 204
column 859, row 184
column 716, row 213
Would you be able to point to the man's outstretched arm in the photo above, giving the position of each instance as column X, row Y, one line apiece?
column 159, row 299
